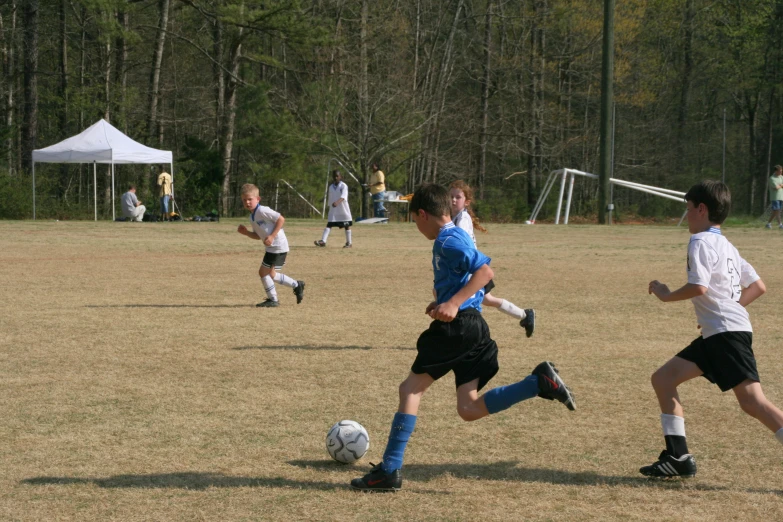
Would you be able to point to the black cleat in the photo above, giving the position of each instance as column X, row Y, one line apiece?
column 551, row 386
column 670, row 467
column 348, row 245
column 320, row 243
column 299, row 291
column 268, row 303
column 529, row 322
column 378, row 480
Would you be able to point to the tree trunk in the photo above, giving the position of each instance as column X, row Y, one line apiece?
column 220, row 79
column 230, row 122
column 364, row 118
column 30, row 123
column 63, row 68
column 8, row 74
column 122, row 70
column 485, row 100
column 157, row 59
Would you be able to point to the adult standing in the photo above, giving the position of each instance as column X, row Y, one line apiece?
column 131, row 206
column 378, row 191
column 164, row 192
column 776, row 195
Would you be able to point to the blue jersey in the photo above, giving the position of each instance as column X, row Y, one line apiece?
column 454, row 259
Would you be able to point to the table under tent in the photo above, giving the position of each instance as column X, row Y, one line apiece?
column 105, row 144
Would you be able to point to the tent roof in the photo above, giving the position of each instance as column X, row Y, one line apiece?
column 100, row 143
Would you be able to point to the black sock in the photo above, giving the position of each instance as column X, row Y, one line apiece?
column 676, row 445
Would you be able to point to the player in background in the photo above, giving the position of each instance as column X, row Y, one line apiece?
column 339, row 211
column 720, row 285
column 461, row 195
column 457, row 340
column 267, row 225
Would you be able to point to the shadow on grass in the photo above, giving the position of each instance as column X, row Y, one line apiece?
column 510, row 471
column 185, row 480
column 171, row 306
column 316, row 347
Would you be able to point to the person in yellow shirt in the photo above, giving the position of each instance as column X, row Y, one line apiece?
column 378, row 191
column 164, row 191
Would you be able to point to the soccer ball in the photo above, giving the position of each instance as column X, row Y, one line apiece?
column 347, row 441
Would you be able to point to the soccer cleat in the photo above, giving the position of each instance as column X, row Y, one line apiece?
column 768, row 225
column 378, row 480
column 299, row 291
column 349, row 245
column 320, row 243
column 780, row 226
column 670, row 467
column 551, row 386
column 529, row 322
column 268, row 303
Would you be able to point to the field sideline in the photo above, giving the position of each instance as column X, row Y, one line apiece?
column 139, row 382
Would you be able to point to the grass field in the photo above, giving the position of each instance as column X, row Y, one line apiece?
column 139, row 382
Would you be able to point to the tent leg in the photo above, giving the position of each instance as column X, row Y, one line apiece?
column 113, row 215
column 95, row 188
column 33, row 191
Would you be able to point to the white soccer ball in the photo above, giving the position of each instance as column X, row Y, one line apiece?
column 347, row 441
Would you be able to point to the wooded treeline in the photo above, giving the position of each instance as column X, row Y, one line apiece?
column 496, row 92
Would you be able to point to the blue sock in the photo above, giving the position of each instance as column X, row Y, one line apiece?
column 402, row 427
column 504, row 397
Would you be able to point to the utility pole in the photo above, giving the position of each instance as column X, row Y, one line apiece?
column 607, row 96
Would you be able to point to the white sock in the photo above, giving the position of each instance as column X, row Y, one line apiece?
column 285, row 280
column 512, row 310
column 348, row 236
column 674, row 425
column 325, row 234
column 779, row 435
column 269, row 287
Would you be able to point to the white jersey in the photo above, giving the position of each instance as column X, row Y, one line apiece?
column 342, row 212
column 263, row 220
column 714, row 263
column 465, row 222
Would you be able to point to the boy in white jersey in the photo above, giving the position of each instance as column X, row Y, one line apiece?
column 339, row 211
column 720, row 285
column 461, row 195
column 267, row 225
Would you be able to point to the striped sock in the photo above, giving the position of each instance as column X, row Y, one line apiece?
column 285, row 280
column 269, row 287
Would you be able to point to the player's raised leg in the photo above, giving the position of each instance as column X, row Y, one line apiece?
column 527, row 317
column 387, row 476
column 753, row 402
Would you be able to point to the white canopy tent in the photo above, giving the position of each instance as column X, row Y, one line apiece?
column 100, row 143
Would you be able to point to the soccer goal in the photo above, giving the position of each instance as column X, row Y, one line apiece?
column 568, row 176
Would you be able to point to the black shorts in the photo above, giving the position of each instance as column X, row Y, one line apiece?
column 725, row 358
column 489, row 286
column 339, row 224
column 463, row 346
column 274, row 260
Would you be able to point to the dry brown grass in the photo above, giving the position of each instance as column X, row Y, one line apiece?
column 139, row 382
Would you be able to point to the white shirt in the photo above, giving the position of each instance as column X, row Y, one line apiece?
column 342, row 212
column 263, row 220
column 714, row 263
column 465, row 222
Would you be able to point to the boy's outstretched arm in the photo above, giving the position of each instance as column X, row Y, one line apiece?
column 687, row 291
column 447, row 311
column 752, row 292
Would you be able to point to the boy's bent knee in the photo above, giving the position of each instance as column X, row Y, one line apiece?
column 468, row 413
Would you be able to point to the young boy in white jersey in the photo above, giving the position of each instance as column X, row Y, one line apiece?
column 720, row 285
column 457, row 340
column 267, row 225
column 339, row 211
column 461, row 195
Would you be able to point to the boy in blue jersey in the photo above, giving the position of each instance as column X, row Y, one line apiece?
column 457, row 340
